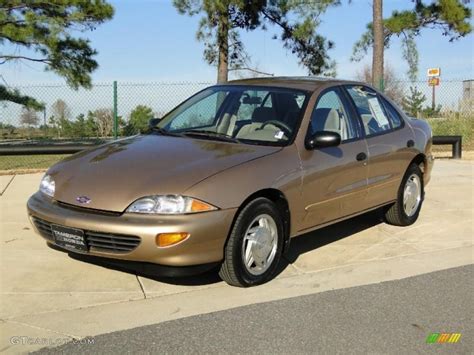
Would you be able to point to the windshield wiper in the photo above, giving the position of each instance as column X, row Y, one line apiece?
column 203, row 133
column 163, row 131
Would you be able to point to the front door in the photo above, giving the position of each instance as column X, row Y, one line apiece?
column 335, row 178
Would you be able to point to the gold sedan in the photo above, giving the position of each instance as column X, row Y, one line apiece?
column 229, row 176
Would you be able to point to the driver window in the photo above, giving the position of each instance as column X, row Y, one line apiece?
column 330, row 115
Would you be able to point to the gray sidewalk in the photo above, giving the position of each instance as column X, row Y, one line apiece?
column 47, row 294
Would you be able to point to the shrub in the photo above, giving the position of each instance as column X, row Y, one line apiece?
column 454, row 126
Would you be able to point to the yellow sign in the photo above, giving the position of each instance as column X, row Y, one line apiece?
column 433, row 81
column 434, row 72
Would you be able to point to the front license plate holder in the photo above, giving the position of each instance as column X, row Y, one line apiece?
column 69, row 238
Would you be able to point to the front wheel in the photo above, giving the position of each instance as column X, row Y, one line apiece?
column 406, row 209
column 254, row 247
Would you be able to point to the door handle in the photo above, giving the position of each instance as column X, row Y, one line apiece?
column 361, row 156
column 410, row 143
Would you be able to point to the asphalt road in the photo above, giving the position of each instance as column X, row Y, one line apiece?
column 390, row 317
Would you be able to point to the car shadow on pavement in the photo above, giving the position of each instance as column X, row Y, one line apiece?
column 152, row 272
column 300, row 245
column 327, row 235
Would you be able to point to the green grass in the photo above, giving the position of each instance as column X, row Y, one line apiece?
column 454, row 126
column 21, row 162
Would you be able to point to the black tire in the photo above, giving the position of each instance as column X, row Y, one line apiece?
column 396, row 214
column 233, row 270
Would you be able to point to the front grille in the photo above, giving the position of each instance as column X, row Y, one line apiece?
column 96, row 241
column 111, row 242
column 87, row 210
column 43, row 227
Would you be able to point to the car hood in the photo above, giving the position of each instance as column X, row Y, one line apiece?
column 114, row 175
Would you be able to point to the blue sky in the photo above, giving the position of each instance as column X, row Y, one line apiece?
column 150, row 41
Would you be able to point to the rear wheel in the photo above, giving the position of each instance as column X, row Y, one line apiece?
column 254, row 247
column 406, row 209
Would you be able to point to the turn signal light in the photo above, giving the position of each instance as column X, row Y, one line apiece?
column 168, row 239
column 199, row 206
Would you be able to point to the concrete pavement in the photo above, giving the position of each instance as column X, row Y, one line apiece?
column 360, row 320
column 46, row 294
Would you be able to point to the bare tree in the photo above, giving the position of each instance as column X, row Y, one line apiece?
column 29, row 117
column 393, row 85
column 61, row 116
column 104, row 118
column 61, row 110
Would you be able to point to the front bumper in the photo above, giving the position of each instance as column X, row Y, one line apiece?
column 208, row 231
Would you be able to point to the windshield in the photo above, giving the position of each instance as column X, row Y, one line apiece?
column 246, row 114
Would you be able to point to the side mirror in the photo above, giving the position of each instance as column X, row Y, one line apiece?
column 323, row 139
column 153, row 122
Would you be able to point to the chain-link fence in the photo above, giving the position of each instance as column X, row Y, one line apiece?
column 107, row 110
column 118, row 109
column 449, row 107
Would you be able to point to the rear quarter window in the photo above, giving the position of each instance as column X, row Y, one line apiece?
column 393, row 114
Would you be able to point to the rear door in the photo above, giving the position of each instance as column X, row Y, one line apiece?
column 388, row 142
column 335, row 178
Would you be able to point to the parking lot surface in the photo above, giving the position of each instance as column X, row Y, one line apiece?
column 357, row 319
column 45, row 294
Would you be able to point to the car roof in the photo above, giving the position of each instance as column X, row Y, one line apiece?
column 308, row 83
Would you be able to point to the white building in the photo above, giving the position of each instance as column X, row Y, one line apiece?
column 467, row 101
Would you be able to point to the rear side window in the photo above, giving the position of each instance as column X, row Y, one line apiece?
column 370, row 108
column 393, row 114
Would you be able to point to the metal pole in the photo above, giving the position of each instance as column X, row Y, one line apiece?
column 115, row 111
column 457, row 149
column 433, row 101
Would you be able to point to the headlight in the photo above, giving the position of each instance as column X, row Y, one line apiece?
column 47, row 185
column 169, row 204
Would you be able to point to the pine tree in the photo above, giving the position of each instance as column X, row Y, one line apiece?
column 44, row 29
column 452, row 17
column 413, row 103
column 222, row 19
